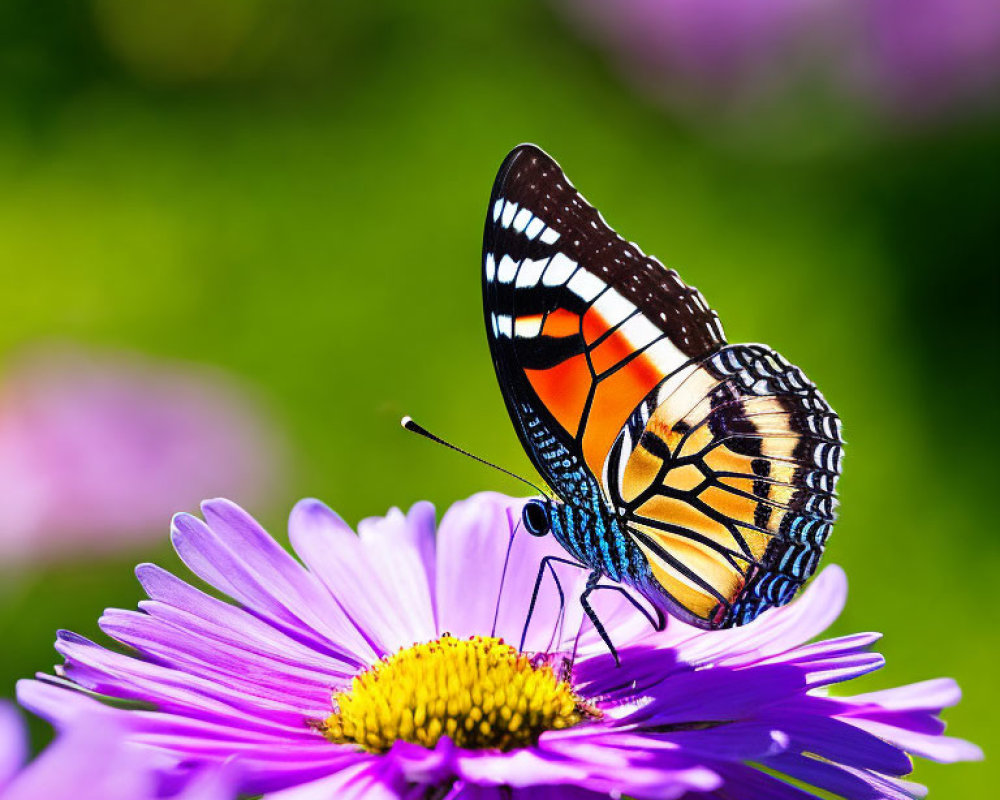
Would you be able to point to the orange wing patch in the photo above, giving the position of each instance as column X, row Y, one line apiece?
column 641, row 470
column 689, row 594
column 722, row 459
column 563, row 389
column 612, row 350
column 561, row 323
column 684, row 479
column 614, row 401
column 594, row 325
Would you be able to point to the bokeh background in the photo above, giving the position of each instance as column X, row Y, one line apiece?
column 240, row 238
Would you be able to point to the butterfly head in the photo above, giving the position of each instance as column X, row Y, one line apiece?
column 536, row 517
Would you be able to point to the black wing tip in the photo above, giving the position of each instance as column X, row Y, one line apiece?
column 527, row 149
column 524, row 151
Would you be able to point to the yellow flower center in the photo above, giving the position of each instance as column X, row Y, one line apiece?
column 480, row 692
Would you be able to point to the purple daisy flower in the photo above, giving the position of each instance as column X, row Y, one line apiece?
column 381, row 668
column 93, row 759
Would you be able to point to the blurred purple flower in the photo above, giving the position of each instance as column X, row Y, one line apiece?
column 96, row 449
column 354, row 675
column 923, row 57
column 94, row 760
column 704, row 51
column 913, row 57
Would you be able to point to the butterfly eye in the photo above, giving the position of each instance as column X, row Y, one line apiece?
column 536, row 518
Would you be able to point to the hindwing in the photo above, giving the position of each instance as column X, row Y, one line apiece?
column 726, row 477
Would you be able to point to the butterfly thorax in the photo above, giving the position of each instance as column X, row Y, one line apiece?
column 596, row 538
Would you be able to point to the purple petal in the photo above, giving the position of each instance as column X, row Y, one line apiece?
column 335, row 555
column 212, row 784
column 176, row 601
column 748, row 783
column 117, row 675
column 737, row 741
column 917, row 721
column 400, row 548
column 529, row 793
column 601, row 763
column 944, row 749
column 13, row 742
column 236, row 560
column 58, row 705
column 477, row 595
column 841, row 742
column 473, row 541
column 843, row 782
column 368, row 779
column 932, row 695
column 89, row 763
column 254, row 675
column 710, row 695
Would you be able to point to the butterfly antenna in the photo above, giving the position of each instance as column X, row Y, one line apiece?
column 413, row 427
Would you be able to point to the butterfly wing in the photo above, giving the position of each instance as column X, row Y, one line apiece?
column 725, row 478
column 719, row 462
column 582, row 324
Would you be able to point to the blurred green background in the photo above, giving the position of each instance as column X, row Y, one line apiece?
column 295, row 191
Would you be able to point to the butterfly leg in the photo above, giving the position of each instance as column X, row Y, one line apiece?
column 545, row 564
column 592, row 615
column 658, row 623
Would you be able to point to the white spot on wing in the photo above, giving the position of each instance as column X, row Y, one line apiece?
column 509, row 210
column 491, row 267
column 497, row 208
column 507, row 269
column 530, row 272
column 665, row 355
column 521, row 220
column 640, row 332
column 586, row 286
column 558, row 271
column 534, row 228
column 549, row 236
column 527, row 327
column 613, row 308
column 504, row 325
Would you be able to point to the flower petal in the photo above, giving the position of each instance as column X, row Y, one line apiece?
column 335, row 555
column 401, row 547
column 841, row 781
column 251, row 674
column 368, row 779
column 13, row 742
column 234, row 561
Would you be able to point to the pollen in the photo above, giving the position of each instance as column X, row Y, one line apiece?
column 480, row 692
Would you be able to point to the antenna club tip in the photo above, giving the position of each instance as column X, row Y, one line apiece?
column 406, row 421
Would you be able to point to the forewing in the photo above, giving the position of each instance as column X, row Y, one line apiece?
column 726, row 479
column 582, row 324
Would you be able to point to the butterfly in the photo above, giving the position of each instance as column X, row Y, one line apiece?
column 699, row 473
